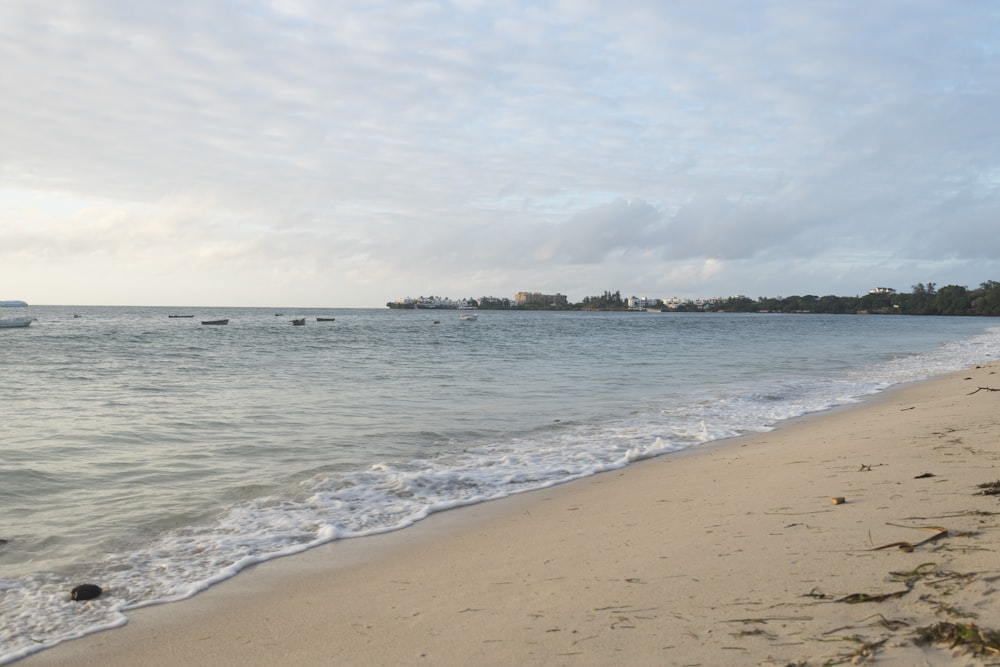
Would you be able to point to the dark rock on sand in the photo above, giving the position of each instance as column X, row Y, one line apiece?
column 86, row 592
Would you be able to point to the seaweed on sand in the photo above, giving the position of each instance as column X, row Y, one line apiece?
column 989, row 489
column 857, row 598
column 969, row 636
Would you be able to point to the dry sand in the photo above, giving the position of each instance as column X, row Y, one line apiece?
column 733, row 554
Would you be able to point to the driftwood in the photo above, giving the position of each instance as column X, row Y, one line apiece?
column 982, row 389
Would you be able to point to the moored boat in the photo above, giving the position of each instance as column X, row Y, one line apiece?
column 216, row 322
column 15, row 322
column 301, row 322
column 325, row 319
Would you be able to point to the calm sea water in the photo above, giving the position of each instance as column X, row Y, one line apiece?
column 156, row 456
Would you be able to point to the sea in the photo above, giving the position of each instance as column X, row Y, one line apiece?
column 156, row 456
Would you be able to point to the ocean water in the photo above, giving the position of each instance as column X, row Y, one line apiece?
column 156, row 456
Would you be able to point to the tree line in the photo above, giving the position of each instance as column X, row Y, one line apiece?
column 922, row 300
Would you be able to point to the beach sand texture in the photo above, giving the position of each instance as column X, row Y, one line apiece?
column 732, row 554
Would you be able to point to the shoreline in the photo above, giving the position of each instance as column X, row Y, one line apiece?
column 725, row 553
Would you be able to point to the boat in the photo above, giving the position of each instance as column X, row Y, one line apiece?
column 468, row 313
column 325, row 319
column 179, row 316
column 216, row 322
column 301, row 322
column 15, row 322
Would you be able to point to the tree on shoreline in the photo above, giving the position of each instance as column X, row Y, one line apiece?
column 923, row 300
column 607, row 301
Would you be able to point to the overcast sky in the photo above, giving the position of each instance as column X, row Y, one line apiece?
column 348, row 152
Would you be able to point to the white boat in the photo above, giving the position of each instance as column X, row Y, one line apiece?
column 14, row 322
column 467, row 313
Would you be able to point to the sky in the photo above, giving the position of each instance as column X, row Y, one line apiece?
column 345, row 153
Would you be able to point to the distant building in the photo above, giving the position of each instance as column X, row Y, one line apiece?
column 495, row 303
column 636, row 303
column 539, row 299
column 679, row 303
column 432, row 302
column 882, row 290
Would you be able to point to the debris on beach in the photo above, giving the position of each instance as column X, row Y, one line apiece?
column 971, row 637
column 939, row 532
column 857, row 598
column 865, row 652
column 989, row 488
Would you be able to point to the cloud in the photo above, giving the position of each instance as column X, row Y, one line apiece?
column 369, row 148
column 591, row 235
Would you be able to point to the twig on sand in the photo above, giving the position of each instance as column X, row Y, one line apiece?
column 765, row 619
column 910, row 546
column 952, row 515
column 857, row 598
column 982, row 389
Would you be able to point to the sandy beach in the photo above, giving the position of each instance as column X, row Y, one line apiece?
column 736, row 553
